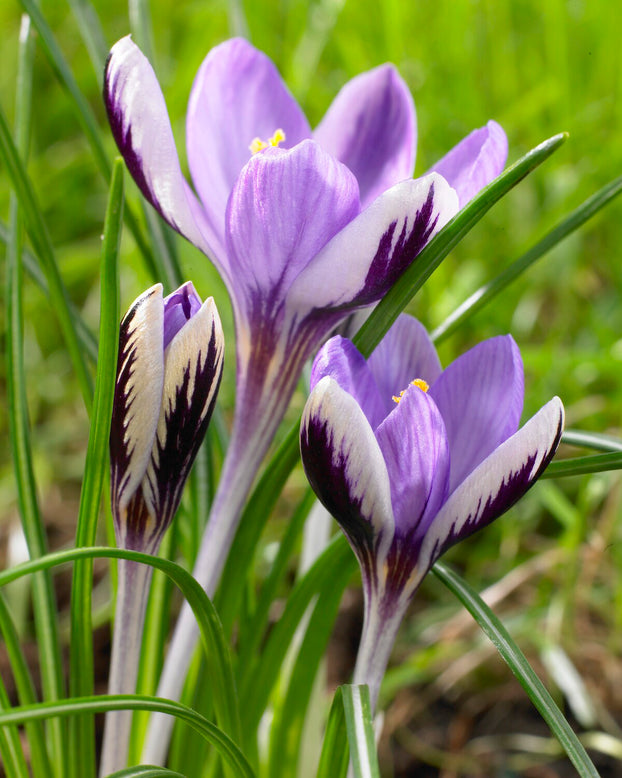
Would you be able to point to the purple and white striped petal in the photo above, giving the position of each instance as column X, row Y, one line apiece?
column 237, row 96
column 498, row 482
column 346, row 469
column 480, row 396
column 414, row 445
column 343, row 362
column 137, row 397
column 363, row 260
column 404, row 354
column 192, row 371
column 371, row 127
column 476, row 161
column 285, row 206
column 142, row 130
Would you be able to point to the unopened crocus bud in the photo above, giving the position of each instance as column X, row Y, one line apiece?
column 168, row 373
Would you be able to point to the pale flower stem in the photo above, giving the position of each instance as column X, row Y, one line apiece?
column 383, row 616
column 132, row 590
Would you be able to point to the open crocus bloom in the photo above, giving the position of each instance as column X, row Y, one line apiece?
column 411, row 459
column 169, row 368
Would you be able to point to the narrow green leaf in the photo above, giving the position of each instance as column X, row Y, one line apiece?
column 43, row 248
column 335, row 751
column 11, row 752
column 81, row 729
column 595, row 463
column 25, row 692
column 518, row 664
column 44, row 600
column 81, row 705
column 225, row 694
column 146, row 772
column 360, row 727
column 593, row 440
column 92, row 35
column 413, row 278
column 490, row 290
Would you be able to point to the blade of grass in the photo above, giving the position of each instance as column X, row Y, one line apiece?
column 26, row 694
column 489, row 291
column 595, row 463
column 518, row 664
column 335, row 751
column 360, row 727
column 11, row 752
column 92, row 35
column 210, row 627
column 81, row 705
column 81, row 729
column 146, row 772
column 593, row 440
column 44, row 600
column 413, row 278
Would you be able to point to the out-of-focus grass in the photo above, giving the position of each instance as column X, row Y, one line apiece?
column 536, row 68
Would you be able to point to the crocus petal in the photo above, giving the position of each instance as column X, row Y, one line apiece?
column 346, row 469
column 476, row 161
column 480, row 396
column 179, row 306
column 498, row 482
column 363, row 260
column 192, row 370
column 404, row 354
column 138, row 395
column 237, row 96
column 285, row 205
column 344, row 363
column 414, row 446
column 371, row 128
column 141, row 127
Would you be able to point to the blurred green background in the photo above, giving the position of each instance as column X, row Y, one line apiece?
column 536, row 68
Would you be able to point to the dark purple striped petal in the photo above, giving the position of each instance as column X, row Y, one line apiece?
column 480, row 396
column 237, row 96
column 371, row 127
column 404, row 354
column 137, row 397
column 141, row 127
column 476, row 161
column 498, row 482
column 364, row 260
column 192, row 370
column 346, row 470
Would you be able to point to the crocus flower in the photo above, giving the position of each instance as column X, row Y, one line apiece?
column 303, row 227
column 168, row 373
column 410, row 459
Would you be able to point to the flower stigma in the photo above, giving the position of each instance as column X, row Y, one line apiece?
column 257, row 144
column 418, row 382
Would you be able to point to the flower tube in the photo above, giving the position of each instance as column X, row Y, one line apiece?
column 411, row 459
column 168, row 373
column 304, row 227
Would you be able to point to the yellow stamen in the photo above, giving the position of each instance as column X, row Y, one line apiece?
column 257, row 144
column 418, row 382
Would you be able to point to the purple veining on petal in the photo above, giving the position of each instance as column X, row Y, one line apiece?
column 180, row 306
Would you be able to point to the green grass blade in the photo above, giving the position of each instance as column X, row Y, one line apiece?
column 44, row 601
column 212, row 634
column 92, row 34
column 490, row 290
column 26, row 693
column 81, row 729
column 260, row 677
column 413, row 278
column 11, row 752
column 360, row 727
column 335, row 751
column 43, row 248
column 518, row 664
column 596, row 463
column 593, row 440
column 81, row 705
column 289, row 716
column 146, row 772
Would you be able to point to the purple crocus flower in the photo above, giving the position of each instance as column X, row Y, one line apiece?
column 410, row 459
column 168, row 373
column 304, row 227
